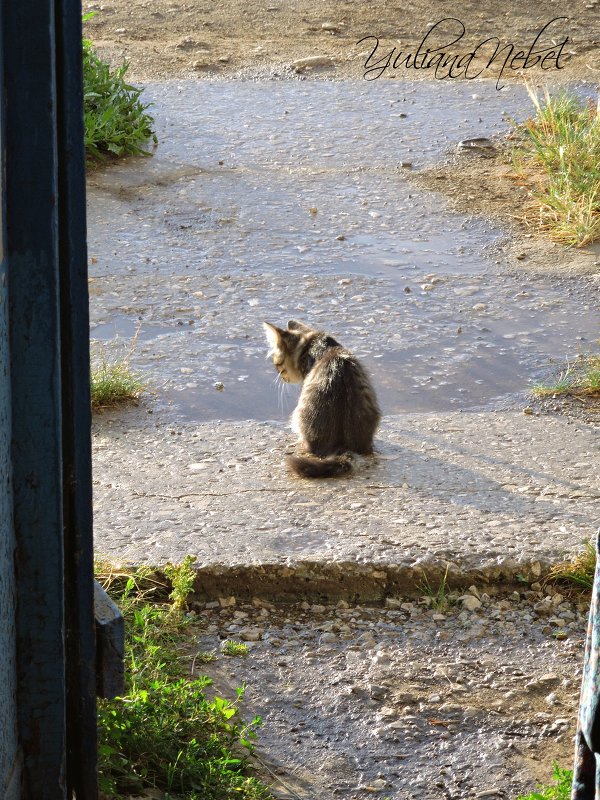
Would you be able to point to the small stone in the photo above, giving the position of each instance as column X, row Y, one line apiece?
column 311, row 62
column 560, row 623
column 226, row 602
column 562, row 722
column 548, row 679
column 393, row 602
column 198, row 467
column 470, row 602
column 328, row 638
column 451, row 707
column 479, row 307
column 528, row 411
column 218, row 386
column 438, row 617
column 377, row 785
column 381, row 658
column 318, row 609
column 251, row 634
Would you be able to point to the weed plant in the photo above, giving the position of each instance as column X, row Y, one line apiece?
column 581, row 378
column 165, row 733
column 560, row 790
column 113, row 383
column 440, row 599
column 182, row 577
column 112, row 380
column 116, row 121
column 559, row 153
column 233, row 648
column 579, row 571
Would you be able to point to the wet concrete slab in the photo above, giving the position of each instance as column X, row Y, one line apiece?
column 495, row 495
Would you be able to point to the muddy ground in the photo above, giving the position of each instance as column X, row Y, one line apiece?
column 169, row 39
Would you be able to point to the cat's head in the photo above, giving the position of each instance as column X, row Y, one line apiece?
column 286, row 346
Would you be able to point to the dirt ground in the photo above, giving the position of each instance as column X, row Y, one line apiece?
column 170, row 39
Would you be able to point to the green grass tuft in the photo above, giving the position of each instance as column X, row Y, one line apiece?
column 579, row 571
column 579, row 378
column 166, row 733
column 182, row 577
column 559, row 153
column 440, row 599
column 113, row 384
column 112, row 381
column 232, row 648
column 116, row 122
column 560, row 790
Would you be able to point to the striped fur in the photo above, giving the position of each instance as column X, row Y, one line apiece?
column 337, row 413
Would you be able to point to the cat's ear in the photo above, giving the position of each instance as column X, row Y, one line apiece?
column 274, row 334
column 293, row 325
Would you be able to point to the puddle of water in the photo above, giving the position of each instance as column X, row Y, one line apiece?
column 310, row 216
column 403, row 382
column 428, row 371
column 242, row 167
column 122, row 327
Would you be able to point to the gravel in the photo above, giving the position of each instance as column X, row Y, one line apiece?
column 410, row 702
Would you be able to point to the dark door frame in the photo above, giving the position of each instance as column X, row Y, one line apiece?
column 43, row 197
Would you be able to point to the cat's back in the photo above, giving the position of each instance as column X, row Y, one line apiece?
column 340, row 374
column 340, row 401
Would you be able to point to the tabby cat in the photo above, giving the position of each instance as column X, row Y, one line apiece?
column 337, row 413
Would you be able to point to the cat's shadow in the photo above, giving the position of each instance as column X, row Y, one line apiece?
column 452, row 472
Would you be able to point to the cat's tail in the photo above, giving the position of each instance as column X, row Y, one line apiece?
column 315, row 467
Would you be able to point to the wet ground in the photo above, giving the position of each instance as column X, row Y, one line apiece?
column 274, row 200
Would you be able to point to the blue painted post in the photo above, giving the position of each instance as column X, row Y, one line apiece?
column 76, row 407
column 33, row 289
column 9, row 759
column 40, row 44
